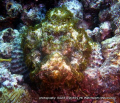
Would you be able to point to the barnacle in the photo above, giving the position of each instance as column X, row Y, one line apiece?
column 56, row 51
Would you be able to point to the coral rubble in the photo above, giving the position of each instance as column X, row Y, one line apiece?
column 13, row 8
column 11, row 90
column 15, row 95
column 75, row 7
column 33, row 15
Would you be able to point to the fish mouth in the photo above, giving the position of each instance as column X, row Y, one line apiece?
column 55, row 70
column 55, row 76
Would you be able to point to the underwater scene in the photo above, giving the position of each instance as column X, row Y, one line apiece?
column 59, row 51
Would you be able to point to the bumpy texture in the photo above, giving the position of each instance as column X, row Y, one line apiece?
column 13, row 8
column 96, row 58
column 10, row 89
column 17, row 63
column 7, row 79
column 33, row 16
column 115, row 15
column 74, row 6
column 11, row 51
column 15, row 95
column 6, row 38
column 109, row 75
column 110, row 46
column 57, row 53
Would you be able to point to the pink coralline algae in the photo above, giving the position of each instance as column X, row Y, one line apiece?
column 70, row 56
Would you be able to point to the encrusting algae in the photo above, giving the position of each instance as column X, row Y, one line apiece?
column 70, row 56
column 7, row 60
column 15, row 95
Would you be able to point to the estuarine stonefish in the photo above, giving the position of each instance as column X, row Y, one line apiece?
column 57, row 53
